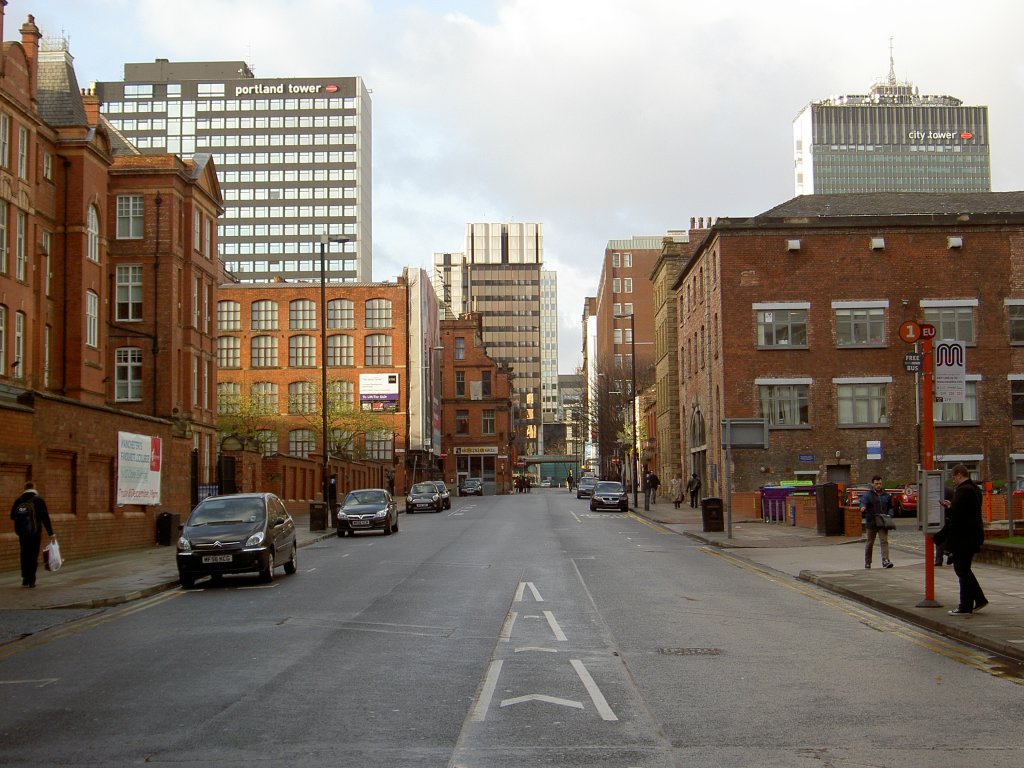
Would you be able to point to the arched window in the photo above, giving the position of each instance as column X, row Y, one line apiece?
column 341, row 313
column 378, row 313
column 302, row 351
column 378, row 350
column 340, row 350
column 92, row 234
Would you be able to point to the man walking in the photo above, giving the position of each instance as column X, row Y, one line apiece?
column 693, row 488
column 30, row 516
column 876, row 509
column 963, row 535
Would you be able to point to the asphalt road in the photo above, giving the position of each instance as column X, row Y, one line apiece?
column 514, row 631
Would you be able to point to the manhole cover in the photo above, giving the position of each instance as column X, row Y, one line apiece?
column 690, row 651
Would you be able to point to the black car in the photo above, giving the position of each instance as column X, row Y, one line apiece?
column 609, row 494
column 446, row 497
column 586, row 487
column 240, row 533
column 423, row 496
column 367, row 509
column 472, row 486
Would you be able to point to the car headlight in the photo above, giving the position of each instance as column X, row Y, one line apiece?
column 255, row 540
column 184, row 545
column 381, row 513
column 436, row 496
column 408, row 499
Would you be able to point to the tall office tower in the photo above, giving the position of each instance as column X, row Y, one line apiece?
column 548, row 346
column 292, row 156
column 891, row 140
column 499, row 276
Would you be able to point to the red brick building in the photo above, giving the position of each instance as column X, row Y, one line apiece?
column 476, row 409
column 793, row 316
column 105, row 291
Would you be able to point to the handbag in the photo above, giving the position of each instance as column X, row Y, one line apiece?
column 885, row 522
column 51, row 556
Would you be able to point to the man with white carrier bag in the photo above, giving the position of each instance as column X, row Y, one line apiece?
column 30, row 516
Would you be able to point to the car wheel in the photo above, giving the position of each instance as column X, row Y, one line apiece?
column 593, row 508
column 395, row 527
column 408, row 511
column 187, row 582
column 341, row 533
column 387, row 528
column 267, row 574
column 292, row 565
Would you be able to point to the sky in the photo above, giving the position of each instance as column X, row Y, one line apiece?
column 600, row 119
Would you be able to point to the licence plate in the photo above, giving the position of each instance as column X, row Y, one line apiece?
column 216, row 558
column 359, row 522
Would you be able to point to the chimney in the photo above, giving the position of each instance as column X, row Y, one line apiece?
column 3, row 5
column 91, row 103
column 693, row 223
column 30, row 35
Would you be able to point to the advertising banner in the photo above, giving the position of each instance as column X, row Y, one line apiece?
column 139, row 461
column 378, row 391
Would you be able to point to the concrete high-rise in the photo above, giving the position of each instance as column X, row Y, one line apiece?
column 292, row 157
column 891, row 140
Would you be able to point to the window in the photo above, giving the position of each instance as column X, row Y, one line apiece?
column 781, row 326
column 627, row 308
column 263, row 351
column 92, row 235
column 47, row 166
column 341, row 442
column 859, row 326
column 22, row 152
column 301, row 443
column 485, row 383
column 128, row 365
column 340, row 350
column 3, row 237
column 460, row 383
column 953, row 322
column 92, row 319
column 302, row 351
column 229, row 316
column 460, row 348
column 959, row 413
column 129, row 292
column 20, row 252
column 264, row 315
column 616, row 260
column 263, row 397
column 301, row 315
column 207, row 236
column 379, row 444
column 267, row 438
column 616, row 285
column 378, row 350
column 19, row 345
column 1016, row 392
column 197, row 231
column 784, row 404
column 462, row 421
column 487, row 421
column 229, row 352
column 301, row 397
column 129, row 217
column 378, row 313
column 341, row 313
column 229, row 397
column 341, row 394
column 627, row 285
column 861, row 403
column 627, row 260
column 3, row 340
column 617, row 336
column 5, row 140
column 1016, row 315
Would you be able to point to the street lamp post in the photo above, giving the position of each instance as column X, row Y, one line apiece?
column 632, row 398
column 325, row 482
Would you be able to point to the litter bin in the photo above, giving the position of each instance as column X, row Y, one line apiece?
column 318, row 516
column 711, row 513
column 167, row 527
column 830, row 520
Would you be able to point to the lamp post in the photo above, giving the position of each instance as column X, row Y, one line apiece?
column 632, row 398
column 325, row 483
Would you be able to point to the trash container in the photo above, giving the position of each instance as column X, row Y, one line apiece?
column 318, row 516
column 830, row 520
column 711, row 513
column 167, row 526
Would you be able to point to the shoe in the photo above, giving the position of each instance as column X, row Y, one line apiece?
column 958, row 612
column 938, row 562
column 979, row 606
column 867, row 565
column 887, row 564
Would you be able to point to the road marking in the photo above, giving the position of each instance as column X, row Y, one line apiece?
column 576, row 516
column 535, row 648
column 648, row 523
column 483, row 701
column 544, row 698
column 506, row 628
column 40, row 683
column 595, row 693
column 522, row 588
column 559, row 634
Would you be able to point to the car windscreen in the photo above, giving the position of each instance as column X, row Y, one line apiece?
column 608, row 488
column 224, row 511
column 364, row 497
column 423, row 488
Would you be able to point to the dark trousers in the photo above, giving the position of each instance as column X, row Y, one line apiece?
column 970, row 590
column 693, row 499
column 29, row 546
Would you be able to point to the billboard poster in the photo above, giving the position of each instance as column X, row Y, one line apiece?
column 139, row 460
column 378, row 391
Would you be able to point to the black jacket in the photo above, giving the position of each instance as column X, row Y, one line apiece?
column 42, row 513
column 963, row 531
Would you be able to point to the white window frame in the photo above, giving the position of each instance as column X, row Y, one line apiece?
column 128, row 374
column 92, row 235
column 130, row 217
column 128, row 287
column 765, row 320
column 856, row 320
column 784, row 397
column 869, row 391
column 92, row 319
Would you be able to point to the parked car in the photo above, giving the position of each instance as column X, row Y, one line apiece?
column 545, row 482
column 472, row 486
column 852, row 494
column 367, row 509
column 446, row 497
column 423, row 496
column 609, row 494
column 908, row 499
column 238, row 533
column 586, row 486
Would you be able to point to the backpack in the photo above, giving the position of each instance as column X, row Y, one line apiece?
column 25, row 518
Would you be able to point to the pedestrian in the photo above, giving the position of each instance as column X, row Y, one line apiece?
column 675, row 490
column 30, row 516
column 876, row 509
column 963, row 535
column 569, row 481
column 653, row 483
column 693, row 488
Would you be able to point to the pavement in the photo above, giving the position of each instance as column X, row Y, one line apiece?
column 833, row 563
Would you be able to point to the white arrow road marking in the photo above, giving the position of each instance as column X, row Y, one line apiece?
column 487, row 692
column 506, row 629
column 559, row 634
column 522, row 587
column 535, row 648
column 542, row 697
column 595, row 693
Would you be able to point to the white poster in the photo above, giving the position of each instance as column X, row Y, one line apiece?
column 138, row 469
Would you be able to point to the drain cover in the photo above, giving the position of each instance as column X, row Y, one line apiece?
column 690, row 651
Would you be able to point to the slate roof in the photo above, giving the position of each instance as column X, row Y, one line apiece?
column 897, row 204
column 60, row 99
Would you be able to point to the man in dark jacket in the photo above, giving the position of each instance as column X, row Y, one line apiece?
column 963, row 535
column 31, row 510
column 876, row 509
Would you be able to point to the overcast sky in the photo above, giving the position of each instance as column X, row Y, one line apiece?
column 601, row 119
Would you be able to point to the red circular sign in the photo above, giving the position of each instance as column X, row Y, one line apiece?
column 927, row 331
column 910, row 331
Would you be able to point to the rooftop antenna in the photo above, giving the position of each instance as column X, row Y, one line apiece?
column 892, row 65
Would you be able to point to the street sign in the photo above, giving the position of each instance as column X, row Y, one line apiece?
column 910, row 331
column 927, row 331
column 912, row 362
column 950, row 371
